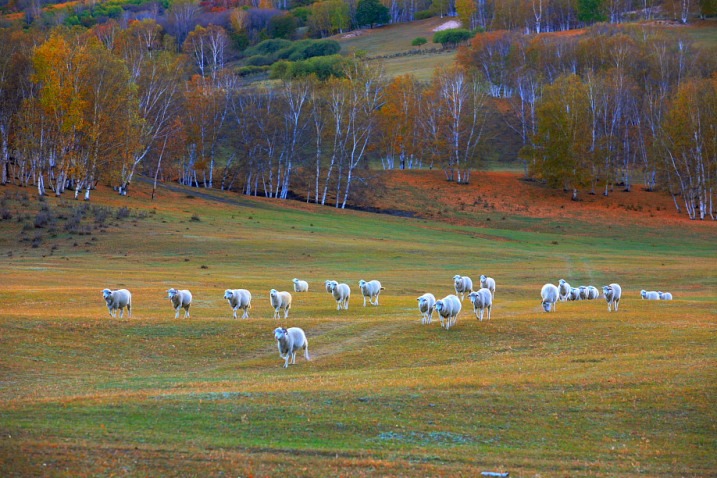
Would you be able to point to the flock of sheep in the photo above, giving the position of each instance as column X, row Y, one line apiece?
column 291, row 340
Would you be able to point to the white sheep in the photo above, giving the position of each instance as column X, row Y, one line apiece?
column 301, row 285
column 181, row 299
column 448, row 309
column 280, row 300
column 239, row 299
column 426, row 304
column 463, row 285
column 574, row 294
column 488, row 283
column 481, row 299
column 612, row 295
column 593, row 293
column 583, row 292
column 342, row 294
column 118, row 299
column 289, row 341
column 370, row 289
column 665, row 295
column 650, row 295
column 564, row 289
column 549, row 296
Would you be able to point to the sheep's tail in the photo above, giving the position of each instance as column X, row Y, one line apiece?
column 306, row 351
column 249, row 306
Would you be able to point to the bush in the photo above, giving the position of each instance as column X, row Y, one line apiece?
column 324, row 67
column 252, row 70
column 452, row 37
column 259, row 60
column 282, row 26
column 418, row 41
column 268, row 47
column 423, row 14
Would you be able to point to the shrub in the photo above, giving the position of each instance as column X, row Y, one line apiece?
column 268, row 47
column 323, row 67
column 452, row 37
column 423, row 14
column 418, row 41
column 259, row 60
column 252, row 70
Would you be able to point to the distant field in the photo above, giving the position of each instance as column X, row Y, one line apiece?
column 581, row 392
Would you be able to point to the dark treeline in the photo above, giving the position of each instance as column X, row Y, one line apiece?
column 597, row 109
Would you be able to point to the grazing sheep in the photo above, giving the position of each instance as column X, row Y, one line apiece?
column 118, row 299
column 665, row 295
column 488, row 283
column 370, row 289
column 289, row 341
column 342, row 293
column 239, row 299
column 463, row 285
column 564, row 289
column 593, row 293
column 549, row 296
column 482, row 299
column 427, row 304
column 448, row 309
column 181, row 299
column 280, row 300
column 649, row 295
column 612, row 295
column 301, row 285
column 574, row 294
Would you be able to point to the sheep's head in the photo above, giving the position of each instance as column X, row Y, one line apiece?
column 295, row 281
column 273, row 292
column 228, row 294
column 280, row 333
column 483, row 278
column 473, row 296
column 456, row 278
column 607, row 290
column 106, row 293
column 546, row 305
column 643, row 293
column 362, row 283
column 171, row 293
column 440, row 305
column 332, row 285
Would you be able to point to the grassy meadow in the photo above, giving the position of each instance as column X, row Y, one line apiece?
column 581, row 392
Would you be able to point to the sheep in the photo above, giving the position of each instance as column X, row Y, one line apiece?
column 280, row 300
column 583, row 292
column 564, row 289
column 118, row 299
column 650, row 295
column 301, row 285
column 482, row 299
column 488, row 283
column 665, row 295
column 181, row 299
column 612, row 295
column 593, row 293
column 342, row 293
column 239, row 299
column 370, row 289
column 289, row 341
column 463, row 285
column 574, row 294
column 549, row 296
column 426, row 304
column 448, row 309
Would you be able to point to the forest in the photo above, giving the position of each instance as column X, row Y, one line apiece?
column 170, row 96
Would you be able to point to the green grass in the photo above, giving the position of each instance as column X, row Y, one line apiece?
column 581, row 392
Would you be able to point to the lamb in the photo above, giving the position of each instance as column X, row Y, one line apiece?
column 370, row 289
column 650, row 295
column 665, row 295
column 341, row 292
column 118, row 299
column 593, row 293
column 583, row 292
column 574, row 294
column 239, row 299
column 280, row 300
column 564, row 289
column 289, row 341
column 488, row 283
column 426, row 304
column 301, row 285
column 482, row 299
column 549, row 296
column 612, row 295
column 463, row 285
column 448, row 309
column 181, row 299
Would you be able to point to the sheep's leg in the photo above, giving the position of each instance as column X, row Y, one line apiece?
column 186, row 313
column 293, row 358
column 129, row 311
column 121, row 312
column 286, row 362
column 176, row 316
column 306, row 352
column 364, row 301
column 286, row 314
column 346, row 305
column 235, row 312
column 489, row 307
column 617, row 302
